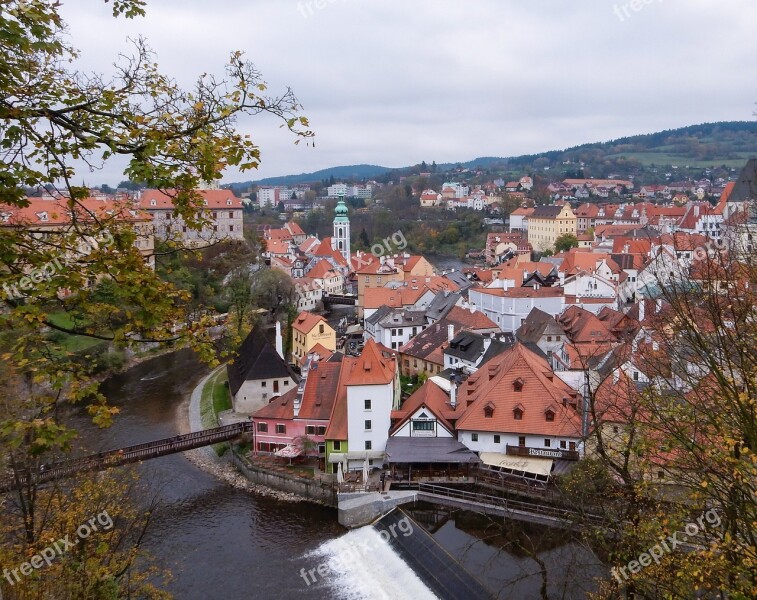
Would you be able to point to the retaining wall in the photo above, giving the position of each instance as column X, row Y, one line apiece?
column 307, row 488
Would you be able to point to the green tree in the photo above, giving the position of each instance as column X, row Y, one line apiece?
column 53, row 120
column 273, row 290
column 363, row 238
column 565, row 242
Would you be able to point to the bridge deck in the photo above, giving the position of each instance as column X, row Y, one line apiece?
column 128, row 454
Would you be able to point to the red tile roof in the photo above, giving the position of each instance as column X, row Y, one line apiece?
column 322, row 269
column 337, row 427
column 215, row 199
column 326, row 250
column 582, row 326
column 57, row 212
column 371, row 367
column 394, row 298
column 305, row 322
column 465, row 319
column 494, row 386
column 430, row 396
column 321, row 389
column 279, row 408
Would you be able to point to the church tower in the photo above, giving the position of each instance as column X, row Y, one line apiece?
column 341, row 238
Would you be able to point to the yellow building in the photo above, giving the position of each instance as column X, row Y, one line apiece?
column 547, row 223
column 307, row 331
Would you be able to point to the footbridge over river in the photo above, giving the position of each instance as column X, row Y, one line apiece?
column 125, row 455
column 343, row 299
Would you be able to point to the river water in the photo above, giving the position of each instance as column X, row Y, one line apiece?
column 220, row 542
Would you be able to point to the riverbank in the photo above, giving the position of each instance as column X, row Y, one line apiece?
column 189, row 419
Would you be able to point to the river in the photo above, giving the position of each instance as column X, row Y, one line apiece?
column 220, row 542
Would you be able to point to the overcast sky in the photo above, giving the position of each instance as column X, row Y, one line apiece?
column 397, row 82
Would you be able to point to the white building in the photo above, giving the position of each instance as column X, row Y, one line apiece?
column 509, row 307
column 222, row 211
column 372, row 387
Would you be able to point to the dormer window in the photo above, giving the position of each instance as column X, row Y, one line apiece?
column 518, row 385
column 42, row 216
column 153, row 202
column 549, row 415
column 489, row 411
column 228, row 202
column 518, row 412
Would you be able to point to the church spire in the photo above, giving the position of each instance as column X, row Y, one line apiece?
column 341, row 238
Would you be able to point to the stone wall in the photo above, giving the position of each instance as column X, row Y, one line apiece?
column 307, row 488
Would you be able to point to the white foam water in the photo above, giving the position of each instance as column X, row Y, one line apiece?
column 361, row 565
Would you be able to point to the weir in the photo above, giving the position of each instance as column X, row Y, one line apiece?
column 429, row 561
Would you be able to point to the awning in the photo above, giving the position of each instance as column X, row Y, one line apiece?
column 408, row 450
column 524, row 464
column 289, row 451
column 337, row 457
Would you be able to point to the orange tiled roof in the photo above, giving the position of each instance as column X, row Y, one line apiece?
column 430, row 396
column 496, row 386
column 469, row 320
column 371, row 367
column 337, row 427
column 321, row 390
column 322, row 269
column 215, row 199
column 57, row 212
column 305, row 322
column 394, row 298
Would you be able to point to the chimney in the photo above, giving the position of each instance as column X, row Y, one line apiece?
column 641, row 310
column 453, row 392
column 696, row 210
column 487, row 343
column 473, row 307
column 279, row 340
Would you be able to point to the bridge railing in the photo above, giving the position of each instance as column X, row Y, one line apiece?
column 127, row 454
column 509, row 504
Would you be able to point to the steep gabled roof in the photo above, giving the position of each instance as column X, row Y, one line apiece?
column 582, row 326
column 279, row 408
column 305, row 322
column 429, row 343
column 371, row 367
column 494, row 387
column 256, row 359
column 325, row 250
column 746, row 184
column 537, row 324
column 322, row 268
column 321, row 389
column 429, row 396
column 337, row 427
